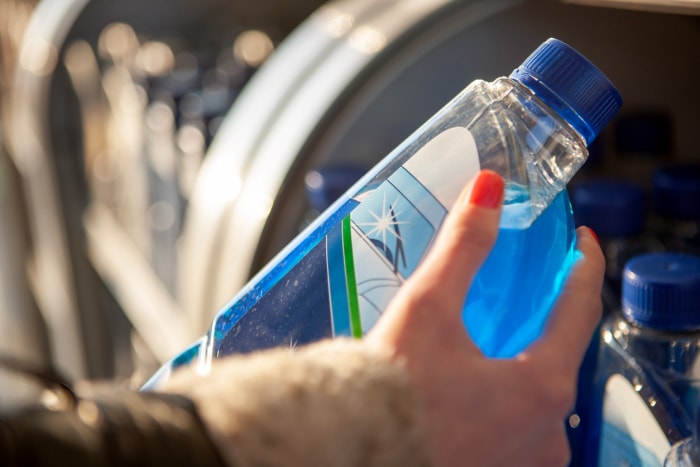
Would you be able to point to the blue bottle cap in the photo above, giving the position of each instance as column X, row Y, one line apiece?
column 613, row 208
column 662, row 291
column 571, row 85
column 325, row 185
column 676, row 191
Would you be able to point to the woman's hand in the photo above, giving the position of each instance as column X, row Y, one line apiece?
column 475, row 410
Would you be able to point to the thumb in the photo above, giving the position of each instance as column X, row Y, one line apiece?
column 465, row 240
column 438, row 288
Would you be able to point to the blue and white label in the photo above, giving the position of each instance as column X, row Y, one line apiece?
column 395, row 225
column 630, row 435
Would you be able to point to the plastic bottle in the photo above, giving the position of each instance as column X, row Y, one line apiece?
column 617, row 211
column 338, row 275
column 676, row 202
column 647, row 377
column 686, row 453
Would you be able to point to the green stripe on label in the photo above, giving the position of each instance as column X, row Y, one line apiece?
column 353, row 304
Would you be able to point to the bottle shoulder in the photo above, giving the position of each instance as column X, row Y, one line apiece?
column 671, row 353
column 685, row 453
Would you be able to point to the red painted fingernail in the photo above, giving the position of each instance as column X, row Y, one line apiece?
column 487, row 191
column 595, row 235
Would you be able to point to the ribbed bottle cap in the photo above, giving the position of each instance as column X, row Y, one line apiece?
column 676, row 191
column 613, row 208
column 571, row 85
column 662, row 291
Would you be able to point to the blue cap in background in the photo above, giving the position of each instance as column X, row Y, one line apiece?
column 662, row 291
column 612, row 208
column 676, row 191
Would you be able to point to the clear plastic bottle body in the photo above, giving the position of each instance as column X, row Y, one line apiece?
column 339, row 275
column 617, row 250
column 520, row 137
column 685, row 453
column 305, row 292
column 617, row 210
column 646, row 382
column 511, row 130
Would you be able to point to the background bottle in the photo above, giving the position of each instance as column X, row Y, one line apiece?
column 676, row 202
column 617, row 210
column 647, row 376
column 338, row 275
column 686, row 453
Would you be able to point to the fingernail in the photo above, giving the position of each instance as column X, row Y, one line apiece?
column 595, row 235
column 487, row 191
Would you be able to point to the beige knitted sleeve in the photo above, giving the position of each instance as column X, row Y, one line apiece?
column 335, row 403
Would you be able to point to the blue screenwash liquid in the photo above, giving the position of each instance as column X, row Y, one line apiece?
column 648, row 372
column 339, row 275
column 545, row 249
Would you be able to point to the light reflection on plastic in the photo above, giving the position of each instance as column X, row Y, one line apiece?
column 217, row 194
column 334, row 22
column 258, row 208
column 607, row 337
column 367, row 39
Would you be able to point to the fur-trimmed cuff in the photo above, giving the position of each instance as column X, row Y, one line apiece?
column 334, row 403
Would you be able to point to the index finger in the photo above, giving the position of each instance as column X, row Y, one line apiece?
column 578, row 310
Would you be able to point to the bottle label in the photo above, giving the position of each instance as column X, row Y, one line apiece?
column 340, row 282
column 630, row 434
column 386, row 236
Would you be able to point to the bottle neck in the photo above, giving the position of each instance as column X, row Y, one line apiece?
column 567, row 116
column 559, row 105
column 674, row 354
column 552, row 149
